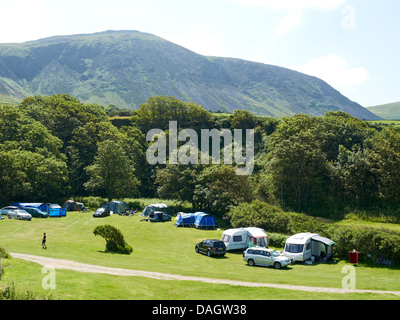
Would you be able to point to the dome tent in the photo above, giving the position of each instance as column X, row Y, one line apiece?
column 185, row 220
column 205, row 221
column 71, row 205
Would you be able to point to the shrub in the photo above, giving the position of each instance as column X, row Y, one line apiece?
column 115, row 242
column 260, row 215
column 11, row 293
column 91, row 202
column 3, row 254
column 277, row 240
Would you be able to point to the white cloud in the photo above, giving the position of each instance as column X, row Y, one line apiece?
column 294, row 4
column 21, row 20
column 200, row 42
column 288, row 23
column 335, row 70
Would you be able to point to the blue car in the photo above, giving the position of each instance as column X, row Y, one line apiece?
column 36, row 213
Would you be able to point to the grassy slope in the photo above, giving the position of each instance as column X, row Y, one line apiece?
column 390, row 111
column 164, row 248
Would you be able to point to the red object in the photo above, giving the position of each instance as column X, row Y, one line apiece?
column 353, row 256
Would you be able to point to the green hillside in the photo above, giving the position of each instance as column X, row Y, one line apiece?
column 390, row 111
column 125, row 68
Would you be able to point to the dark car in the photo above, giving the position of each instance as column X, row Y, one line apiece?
column 101, row 213
column 36, row 213
column 211, row 247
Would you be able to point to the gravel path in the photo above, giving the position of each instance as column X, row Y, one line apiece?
column 87, row 268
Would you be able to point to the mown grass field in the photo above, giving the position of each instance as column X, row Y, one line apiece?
column 163, row 248
column 387, row 123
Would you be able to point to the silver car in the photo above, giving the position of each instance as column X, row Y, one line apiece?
column 265, row 257
column 19, row 214
column 7, row 209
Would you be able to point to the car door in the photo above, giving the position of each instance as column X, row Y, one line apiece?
column 268, row 259
column 203, row 246
column 12, row 214
column 258, row 257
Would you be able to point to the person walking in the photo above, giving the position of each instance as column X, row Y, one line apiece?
column 44, row 241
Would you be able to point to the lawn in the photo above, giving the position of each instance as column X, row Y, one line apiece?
column 163, row 248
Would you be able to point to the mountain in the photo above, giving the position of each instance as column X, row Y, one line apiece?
column 125, row 68
column 390, row 111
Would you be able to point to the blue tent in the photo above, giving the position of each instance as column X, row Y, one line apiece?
column 185, row 220
column 205, row 221
column 56, row 211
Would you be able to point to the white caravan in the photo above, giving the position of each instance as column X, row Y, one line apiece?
column 243, row 238
column 303, row 246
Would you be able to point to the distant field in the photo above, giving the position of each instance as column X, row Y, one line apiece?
column 394, row 123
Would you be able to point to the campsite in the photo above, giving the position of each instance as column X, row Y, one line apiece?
column 164, row 248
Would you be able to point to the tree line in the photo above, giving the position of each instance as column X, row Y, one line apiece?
column 57, row 147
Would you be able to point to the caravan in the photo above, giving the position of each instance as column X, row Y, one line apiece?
column 243, row 238
column 306, row 246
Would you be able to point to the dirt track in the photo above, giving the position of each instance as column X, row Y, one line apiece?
column 87, row 268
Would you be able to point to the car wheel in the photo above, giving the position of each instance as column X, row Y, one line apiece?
column 209, row 253
column 251, row 263
column 277, row 265
column 197, row 249
column 9, row 216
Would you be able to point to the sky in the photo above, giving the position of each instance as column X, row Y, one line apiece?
column 351, row 44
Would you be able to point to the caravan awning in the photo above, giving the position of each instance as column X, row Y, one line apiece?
column 326, row 241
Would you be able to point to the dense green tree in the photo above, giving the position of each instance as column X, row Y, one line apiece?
column 298, row 172
column 61, row 114
column 386, row 145
column 179, row 182
column 13, row 178
column 21, row 131
column 219, row 189
column 83, row 148
column 242, row 119
column 31, row 164
column 112, row 172
column 357, row 172
column 158, row 111
column 28, row 175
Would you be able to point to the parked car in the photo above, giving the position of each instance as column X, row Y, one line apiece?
column 36, row 213
column 211, row 247
column 101, row 212
column 7, row 209
column 2, row 218
column 265, row 257
column 19, row 214
column 159, row 216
